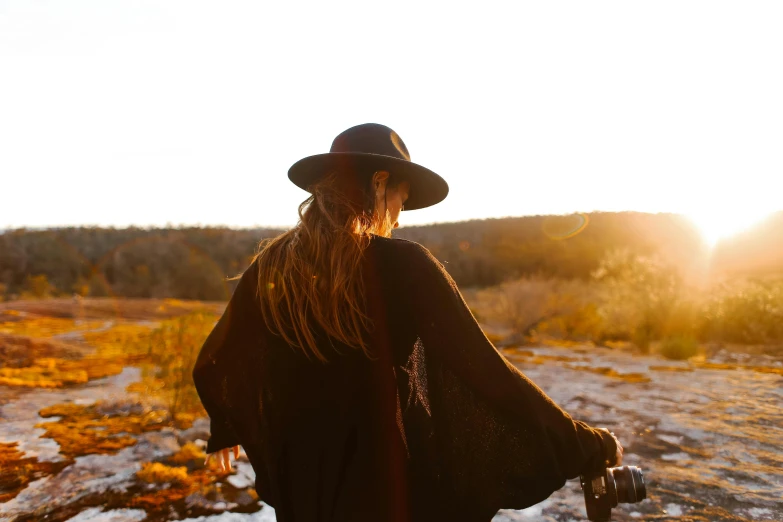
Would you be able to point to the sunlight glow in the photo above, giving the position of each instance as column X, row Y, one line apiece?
column 718, row 224
column 546, row 109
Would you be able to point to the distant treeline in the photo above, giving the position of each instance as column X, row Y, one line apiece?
column 487, row 252
column 192, row 263
column 186, row 263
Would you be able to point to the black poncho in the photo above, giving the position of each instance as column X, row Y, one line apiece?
column 439, row 427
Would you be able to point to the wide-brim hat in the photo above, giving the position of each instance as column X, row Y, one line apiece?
column 366, row 149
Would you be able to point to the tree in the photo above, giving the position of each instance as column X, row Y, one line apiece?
column 38, row 286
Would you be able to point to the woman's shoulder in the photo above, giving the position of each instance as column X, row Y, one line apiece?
column 399, row 246
column 407, row 255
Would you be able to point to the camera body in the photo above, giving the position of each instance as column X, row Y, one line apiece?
column 608, row 487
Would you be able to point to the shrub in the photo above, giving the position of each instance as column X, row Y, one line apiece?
column 157, row 473
column 188, row 453
column 642, row 337
column 173, row 349
column 679, row 348
column 746, row 311
column 38, row 287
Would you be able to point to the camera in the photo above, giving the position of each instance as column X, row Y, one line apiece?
column 611, row 486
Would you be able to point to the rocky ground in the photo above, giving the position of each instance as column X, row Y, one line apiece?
column 707, row 435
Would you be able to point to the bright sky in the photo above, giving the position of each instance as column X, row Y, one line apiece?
column 151, row 112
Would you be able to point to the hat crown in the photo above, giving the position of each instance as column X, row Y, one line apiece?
column 371, row 138
column 368, row 148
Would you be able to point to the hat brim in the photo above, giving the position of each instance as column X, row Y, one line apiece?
column 426, row 187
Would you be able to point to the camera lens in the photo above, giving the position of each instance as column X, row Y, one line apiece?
column 630, row 486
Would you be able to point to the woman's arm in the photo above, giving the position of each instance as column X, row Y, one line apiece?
column 446, row 325
column 218, row 359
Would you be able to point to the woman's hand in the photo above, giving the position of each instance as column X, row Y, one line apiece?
column 223, row 458
column 619, row 455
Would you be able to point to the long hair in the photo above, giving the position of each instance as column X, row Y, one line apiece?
column 309, row 277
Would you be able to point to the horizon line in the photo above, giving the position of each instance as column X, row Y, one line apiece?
column 257, row 226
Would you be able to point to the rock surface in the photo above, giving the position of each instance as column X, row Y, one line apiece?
column 708, row 440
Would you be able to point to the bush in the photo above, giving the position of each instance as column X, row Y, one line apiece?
column 38, row 287
column 157, row 473
column 745, row 311
column 173, row 350
column 641, row 338
column 679, row 348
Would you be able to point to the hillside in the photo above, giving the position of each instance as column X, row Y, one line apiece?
column 192, row 262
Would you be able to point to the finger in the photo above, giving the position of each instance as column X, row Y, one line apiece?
column 206, row 460
column 227, row 460
column 236, row 452
column 223, row 460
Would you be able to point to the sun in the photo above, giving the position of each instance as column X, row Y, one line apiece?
column 718, row 224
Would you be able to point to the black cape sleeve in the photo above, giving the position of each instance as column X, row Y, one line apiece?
column 498, row 437
column 216, row 369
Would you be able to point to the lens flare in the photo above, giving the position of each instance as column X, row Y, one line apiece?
column 564, row 227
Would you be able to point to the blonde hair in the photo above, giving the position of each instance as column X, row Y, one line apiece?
column 311, row 276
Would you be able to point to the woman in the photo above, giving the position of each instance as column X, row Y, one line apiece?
column 350, row 369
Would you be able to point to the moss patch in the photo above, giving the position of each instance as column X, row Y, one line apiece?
column 157, row 473
column 85, row 430
column 17, row 471
column 52, row 372
column 122, row 340
column 188, row 454
column 611, row 372
column 18, row 351
column 730, row 366
column 181, row 484
column 529, row 356
column 39, row 363
column 43, row 327
column 671, row 368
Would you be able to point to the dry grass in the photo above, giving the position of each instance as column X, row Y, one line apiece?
column 110, row 308
column 42, row 327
